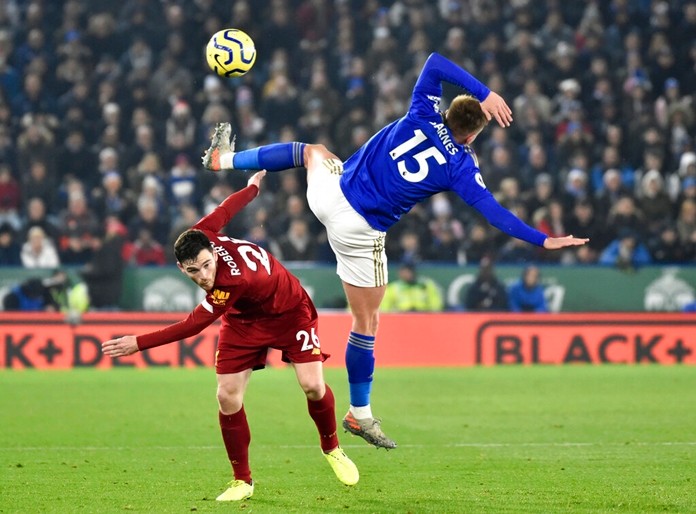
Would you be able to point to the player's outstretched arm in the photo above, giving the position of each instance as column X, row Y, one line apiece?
column 255, row 179
column 230, row 206
column 438, row 68
column 494, row 106
column 120, row 347
column 556, row 243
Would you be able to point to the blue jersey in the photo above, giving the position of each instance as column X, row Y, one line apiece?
column 416, row 156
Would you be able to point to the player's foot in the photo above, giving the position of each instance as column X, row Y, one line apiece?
column 346, row 471
column 237, row 491
column 369, row 429
column 219, row 144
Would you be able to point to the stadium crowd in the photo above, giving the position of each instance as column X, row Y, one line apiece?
column 106, row 108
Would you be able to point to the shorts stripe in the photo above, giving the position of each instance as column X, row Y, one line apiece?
column 378, row 262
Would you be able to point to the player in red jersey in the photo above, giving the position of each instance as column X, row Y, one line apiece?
column 262, row 306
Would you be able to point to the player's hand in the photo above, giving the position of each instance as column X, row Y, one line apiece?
column 256, row 179
column 495, row 107
column 120, row 347
column 556, row 243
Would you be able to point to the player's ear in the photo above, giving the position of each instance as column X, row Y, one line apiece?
column 181, row 268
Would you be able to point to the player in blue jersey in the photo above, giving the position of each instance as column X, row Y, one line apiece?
column 424, row 152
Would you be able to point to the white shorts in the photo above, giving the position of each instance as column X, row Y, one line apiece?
column 359, row 249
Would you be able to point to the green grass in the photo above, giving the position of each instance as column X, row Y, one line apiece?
column 504, row 439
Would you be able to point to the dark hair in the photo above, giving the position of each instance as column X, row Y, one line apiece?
column 465, row 116
column 189, row 244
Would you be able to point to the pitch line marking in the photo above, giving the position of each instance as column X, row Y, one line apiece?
column 354, row 446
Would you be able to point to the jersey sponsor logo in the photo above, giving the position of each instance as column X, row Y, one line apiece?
column 227, row 258
column 436, row 102
column 220, row 297
column 444, row 136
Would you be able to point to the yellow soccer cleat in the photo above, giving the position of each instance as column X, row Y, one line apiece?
column 346, row 471
column 237, row 491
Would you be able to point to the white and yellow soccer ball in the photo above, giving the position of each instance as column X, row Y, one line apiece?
column 230, row 53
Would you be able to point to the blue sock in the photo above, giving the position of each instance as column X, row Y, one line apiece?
column 360, row 363
column 275, row 157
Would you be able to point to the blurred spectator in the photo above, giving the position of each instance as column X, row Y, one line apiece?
column 537, row 165
column 612, row 191
column 446, row 232
column 146, row 251
column 625, row 216
column 9, row 247
column 10, row 197
column 626, row 252
column 653, row 201
column 37, row 216
column 112, row 199
column 103, row 274
column 38, row 251
column 686, row 222
column 611, row 160
column 410, row 249
column 486, row 293
column 540, row 196
column 297, row 244
column 29, row 296
column 576, row 188
column 551, row 219
column 527, row 294
column 583, row 220
column 77, row 221
column 148, row 217
column 411, row 292
column 38, row 183
column 75, row 158
column 180, row 130
column 516, row 251
column 478, row 244
column 666, row 248
column 182, row 187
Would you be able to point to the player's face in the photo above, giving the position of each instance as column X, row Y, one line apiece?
column 202, row 269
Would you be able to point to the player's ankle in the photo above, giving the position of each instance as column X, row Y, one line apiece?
column 361, row 412
column 226, row 161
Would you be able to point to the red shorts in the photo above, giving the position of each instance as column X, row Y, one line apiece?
column 244, row 344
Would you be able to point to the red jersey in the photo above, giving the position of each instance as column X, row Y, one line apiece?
column 250, row 284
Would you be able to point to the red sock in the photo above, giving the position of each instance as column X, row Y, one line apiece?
column 323, row 412
column 237, row 437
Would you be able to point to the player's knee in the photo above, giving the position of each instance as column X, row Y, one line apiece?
column 229, row 401
column 313, row 388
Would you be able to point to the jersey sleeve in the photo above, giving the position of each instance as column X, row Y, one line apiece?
column 228, row 209
column 201, row 317
column 428, row 88
column 507, row 222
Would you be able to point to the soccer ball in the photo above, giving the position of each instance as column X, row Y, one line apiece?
column 230, row 53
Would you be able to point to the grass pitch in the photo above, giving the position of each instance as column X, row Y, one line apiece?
column 503, row 439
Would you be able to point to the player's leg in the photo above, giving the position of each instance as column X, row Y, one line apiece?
column 362, row 266
column 235, row 433
column 322, row 409
column 274, row 157
column 360, row 363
